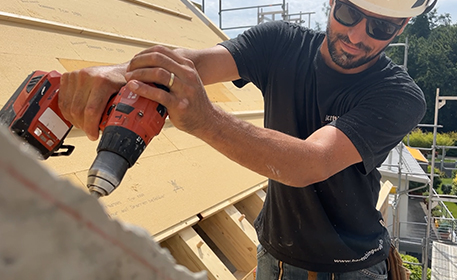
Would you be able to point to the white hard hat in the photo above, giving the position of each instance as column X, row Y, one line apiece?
column 396, row 8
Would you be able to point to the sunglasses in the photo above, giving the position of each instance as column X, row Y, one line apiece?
column 376, row 28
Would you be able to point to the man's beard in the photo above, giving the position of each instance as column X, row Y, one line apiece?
column 344, row 59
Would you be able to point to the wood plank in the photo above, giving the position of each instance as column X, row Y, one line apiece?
column 383, row 199
column 188, row 248
column 251, row 205
column 384, row 194
column 165, row 234
column 163, row 190
column 232, row 200
column 178, row 176
column 250, row 275
column 124, row 18
column 220, row 93
column 161, row 9
column 240, row 219
column 59, row 27
column 228, row 235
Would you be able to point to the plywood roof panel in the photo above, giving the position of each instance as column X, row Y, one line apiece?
column 164, row 189
column 169, row 22
column 178, row 175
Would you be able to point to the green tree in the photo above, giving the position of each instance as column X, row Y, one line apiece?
column 424, row 139
column 420, row 26
column 432, row 62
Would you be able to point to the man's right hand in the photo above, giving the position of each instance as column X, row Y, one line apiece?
column 84, row 94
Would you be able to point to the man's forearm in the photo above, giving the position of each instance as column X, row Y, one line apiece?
column 213, row 65
column 268, row 152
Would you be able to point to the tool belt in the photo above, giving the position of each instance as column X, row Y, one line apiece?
column 395, row 268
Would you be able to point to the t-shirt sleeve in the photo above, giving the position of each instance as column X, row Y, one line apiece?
column 381, row 120
column 255, row 50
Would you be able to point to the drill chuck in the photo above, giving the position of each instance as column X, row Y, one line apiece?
column 106, row 173
column 117, row 151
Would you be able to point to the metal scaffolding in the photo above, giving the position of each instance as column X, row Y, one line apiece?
column 441, row 229
column 267, row 13
column 440, row 101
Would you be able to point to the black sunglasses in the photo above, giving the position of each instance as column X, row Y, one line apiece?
column 376, row 28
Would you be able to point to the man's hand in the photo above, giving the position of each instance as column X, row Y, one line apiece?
column 188, row 106
column 84, row 94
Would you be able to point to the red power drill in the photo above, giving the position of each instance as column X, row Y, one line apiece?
column 129, row 123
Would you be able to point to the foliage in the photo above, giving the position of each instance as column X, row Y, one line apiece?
column 421, row 139
column 414, row 185
column 437, row 180
column 432, row 62
column 453, row 135
column 437, row 211
column 446, row 188
column 454, row 186
column 416, row 269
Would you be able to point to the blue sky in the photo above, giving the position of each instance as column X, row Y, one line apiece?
column 249, row 17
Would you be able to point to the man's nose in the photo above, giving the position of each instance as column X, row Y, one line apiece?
column 357, row 34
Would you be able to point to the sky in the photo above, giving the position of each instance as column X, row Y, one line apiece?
column 249, row 16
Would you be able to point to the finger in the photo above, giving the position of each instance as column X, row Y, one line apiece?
column 68, row 87
column 164, row 58
column 165, row 51
column 93, row 112
column 64, row 100
column 153, row 93
column 80, row 96
column 151, row 60
column 151, row 75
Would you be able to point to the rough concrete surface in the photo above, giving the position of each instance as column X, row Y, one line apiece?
column 50, row 229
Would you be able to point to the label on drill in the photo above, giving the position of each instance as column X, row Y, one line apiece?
column 54, row 123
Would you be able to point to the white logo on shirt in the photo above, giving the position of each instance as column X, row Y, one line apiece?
column 329, row 119
column 365, row 256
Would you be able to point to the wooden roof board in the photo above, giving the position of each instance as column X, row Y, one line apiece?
column 25, row 49
column 124, row 17
column 161, row 191
column 68, row 35
column 173, row 162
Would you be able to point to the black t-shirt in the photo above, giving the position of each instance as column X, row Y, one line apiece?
column 333, row 225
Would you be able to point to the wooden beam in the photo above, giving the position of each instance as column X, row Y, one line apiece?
column 251, row 205
column 383, row 199
column 189, row 250
column 240, row 220
column 233, row 237
column 250, row 275
column 218, row 207
column 176, row 228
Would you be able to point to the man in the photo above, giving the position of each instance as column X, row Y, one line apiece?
column 335, row 105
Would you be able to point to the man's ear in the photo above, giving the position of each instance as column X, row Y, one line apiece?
column 404, row 26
